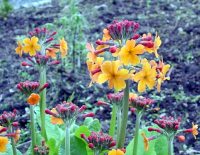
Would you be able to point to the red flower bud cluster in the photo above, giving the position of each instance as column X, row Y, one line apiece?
column 42, row 150
column 140, row 103
column 168, row 123
column 29, row 87
column 115, row 97
column 43, row 33
column 68, row 112
column 125, row 29
column 7, row 119
column 99, row 141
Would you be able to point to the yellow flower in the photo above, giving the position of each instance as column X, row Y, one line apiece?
column 146, row 141
column 116, row 77
column 157, row 44
column 129, row 53
column 52, row 52
column 31, row 45
column 132, row 95
column 95, row 69
column 19, row 49
column 162, row 71
column 55, row 120
column 33, row 99
column 146, row 77
column 195, row 130
column 3, row 143
column 116, row 152
column 63, row 47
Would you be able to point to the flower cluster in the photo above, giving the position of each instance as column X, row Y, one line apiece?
column 9, row 128
column 169, row 127
column 41, row 46
column 41, row 150
column 66, row 112
column 118, row 58
column 168, row 123
column 140, row 103
column 99, row 141
column 32, row 89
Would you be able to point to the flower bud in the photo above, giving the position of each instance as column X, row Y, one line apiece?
column 181, row 138
column 113, row 49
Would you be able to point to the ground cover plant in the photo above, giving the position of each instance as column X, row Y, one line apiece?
column 129, row 61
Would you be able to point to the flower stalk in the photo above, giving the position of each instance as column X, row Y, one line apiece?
column 113, row 121
column 32, row 123
column 43, row 102
column 13, row 143
column 137, row 128
column 67, row 140
column 119, row 116
column 124, row 119
column 170, row 145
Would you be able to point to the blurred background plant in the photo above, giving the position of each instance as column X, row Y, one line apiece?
column 5, row 8
column 71, row 25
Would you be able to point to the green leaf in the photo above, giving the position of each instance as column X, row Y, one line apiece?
column 92, row 124
column 141, row 149
column 161, row 146
column 53, row 146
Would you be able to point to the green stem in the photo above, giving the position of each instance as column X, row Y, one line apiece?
column 113, row 121
column 137, row 128
column 13, row 143
column 124, row 119
column 67, row 141
column 32, row 123
column 43, row 102
column 170, row 145
column 119, row 116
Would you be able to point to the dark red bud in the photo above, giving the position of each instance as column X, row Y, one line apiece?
column 90, row 145
column 113, row 49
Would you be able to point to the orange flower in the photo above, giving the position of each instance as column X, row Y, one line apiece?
column 146, row 141
column 17, row 135
column 91, row 54
column 33, row 99
column 63, row 47
column 19, row 49
column 195, row 130
column 55, row 120
column 106, row 35
column 31, row 45
column 3, row 143
column 51, row 52
column 94, row 69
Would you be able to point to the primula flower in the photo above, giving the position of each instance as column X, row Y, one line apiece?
column 129, row 53
column 162, row 70
column 157, row 44
column 116, row 152
column 106, row 35
column 56, row 120
column 3, row 143
column 146, row 77
column 95, row 69
column 19, row 49
column 63, row 47
column 33, row 99
column 51, row 52
column 116, row 77
column 193, row 130
column 31, row 45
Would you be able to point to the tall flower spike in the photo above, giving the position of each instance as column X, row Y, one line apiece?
column 98, row 141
